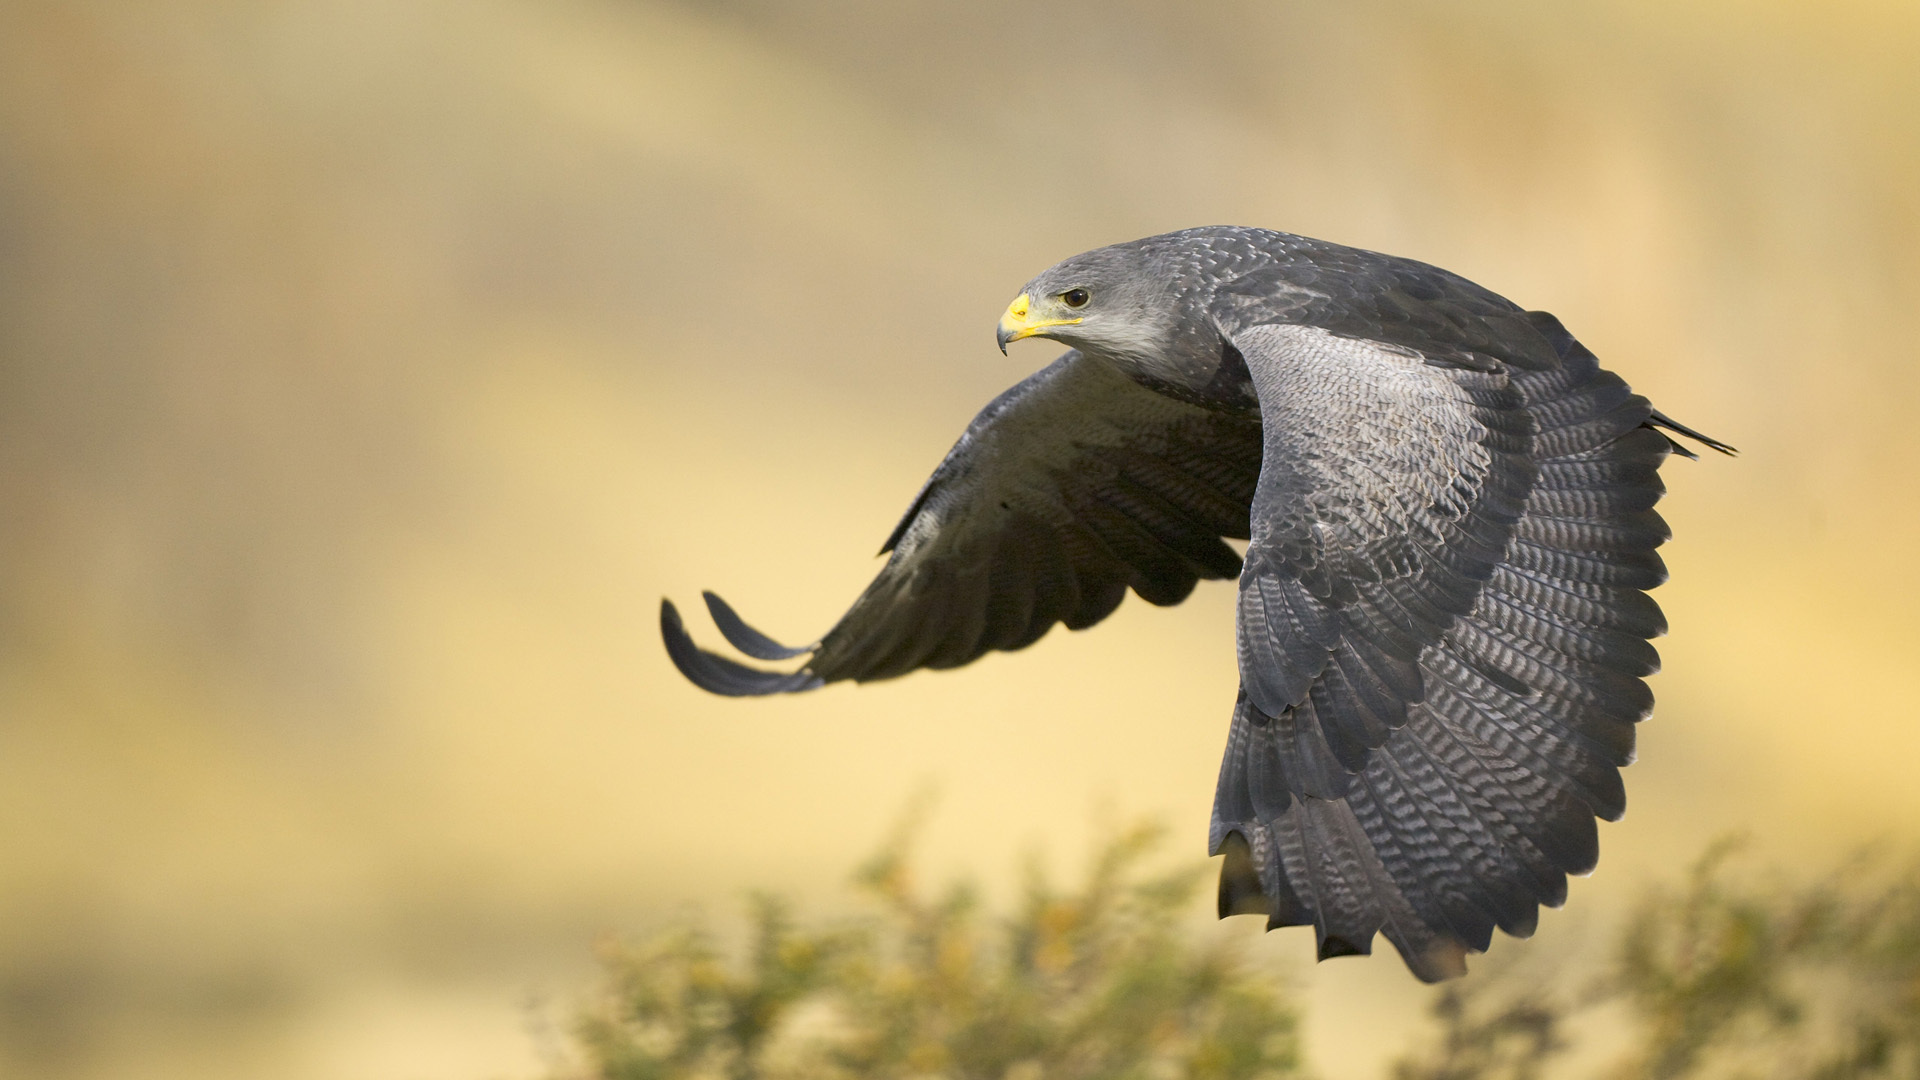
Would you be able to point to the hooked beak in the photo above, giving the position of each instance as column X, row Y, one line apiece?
column 1017, row 324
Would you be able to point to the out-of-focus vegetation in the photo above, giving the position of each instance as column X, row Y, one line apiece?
column 1774, row 978
column 1731, row 974
column 1728, row 974
column 1093, row 983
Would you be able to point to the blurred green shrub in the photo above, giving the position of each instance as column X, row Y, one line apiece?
column 1728, row 974
column 1101, row 982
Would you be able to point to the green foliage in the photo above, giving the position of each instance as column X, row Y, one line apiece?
column 1513, row 1041
column 1728, row 976
column 1100, row 982
column 1819, row 981
column 1725, row 975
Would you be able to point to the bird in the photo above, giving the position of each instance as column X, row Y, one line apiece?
column 1442, row 622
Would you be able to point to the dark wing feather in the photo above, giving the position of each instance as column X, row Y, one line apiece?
column 744, row 637
column 1066, row 491
column 719, row 674
column 1440, row 679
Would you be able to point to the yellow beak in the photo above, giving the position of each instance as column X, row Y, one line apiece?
column 1016, row 324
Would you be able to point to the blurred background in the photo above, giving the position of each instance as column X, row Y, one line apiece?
column 369, row 370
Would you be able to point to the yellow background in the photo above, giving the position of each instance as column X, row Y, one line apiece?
column 369, row 370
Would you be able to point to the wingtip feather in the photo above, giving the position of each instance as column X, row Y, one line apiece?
column 1658, row 419
column 719, row 675
column 744, row 637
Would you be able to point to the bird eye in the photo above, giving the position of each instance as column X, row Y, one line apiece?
column 1076, row 297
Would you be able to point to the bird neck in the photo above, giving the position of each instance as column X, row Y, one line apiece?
column 1210, row 373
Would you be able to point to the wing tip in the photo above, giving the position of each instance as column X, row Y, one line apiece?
column 718, row 675
column 1658, row 420
column 744, row 637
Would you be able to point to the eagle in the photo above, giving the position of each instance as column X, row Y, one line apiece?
column 1443, row 627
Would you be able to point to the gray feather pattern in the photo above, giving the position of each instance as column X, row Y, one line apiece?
column 1531, row 626
column 1443, row 626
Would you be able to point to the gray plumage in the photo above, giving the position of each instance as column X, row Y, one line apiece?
column 1442, row 624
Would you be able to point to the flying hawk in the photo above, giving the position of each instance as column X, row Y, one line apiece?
column 1443, row 621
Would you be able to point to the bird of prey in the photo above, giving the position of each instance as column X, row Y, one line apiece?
column 1443, row 621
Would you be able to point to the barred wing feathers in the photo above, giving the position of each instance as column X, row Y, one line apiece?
column 1443, row 632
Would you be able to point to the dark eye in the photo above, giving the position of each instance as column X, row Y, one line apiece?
column 1076, row 297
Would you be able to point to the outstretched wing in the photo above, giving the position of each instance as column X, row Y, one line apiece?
column 1064, row 492
column 1442, row 633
